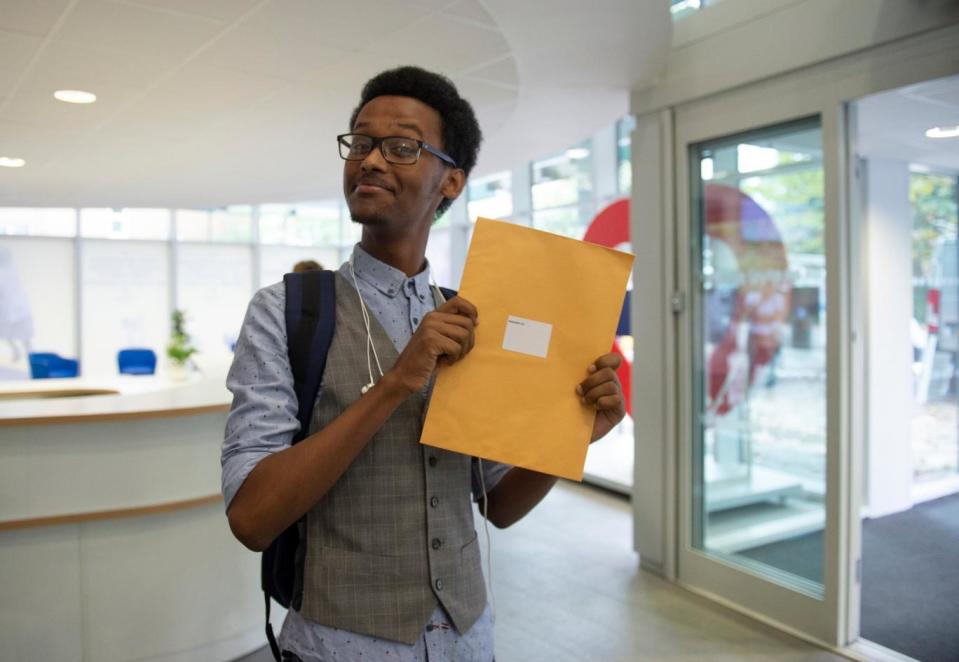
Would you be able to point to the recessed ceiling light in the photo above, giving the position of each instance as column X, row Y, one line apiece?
column 10, row 162
column 75, row 96
column 943, row 132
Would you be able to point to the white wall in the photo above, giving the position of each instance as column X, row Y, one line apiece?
column 888, row 238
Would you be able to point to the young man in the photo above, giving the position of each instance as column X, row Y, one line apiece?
column 389, row 564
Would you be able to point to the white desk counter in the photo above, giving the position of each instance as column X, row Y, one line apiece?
column 113, row 540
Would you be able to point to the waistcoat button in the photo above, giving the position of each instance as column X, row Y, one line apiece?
column 439, row 584
column 435, row 501
column 437, row 543
column 433, row 460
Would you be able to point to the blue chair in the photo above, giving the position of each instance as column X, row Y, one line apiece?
column 47, row 365
column 137, row 361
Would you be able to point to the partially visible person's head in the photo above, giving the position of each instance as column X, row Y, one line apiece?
column 459, row 134
column 307, row 265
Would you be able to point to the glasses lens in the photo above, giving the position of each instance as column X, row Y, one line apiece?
column 401, row 150
column 355, row 146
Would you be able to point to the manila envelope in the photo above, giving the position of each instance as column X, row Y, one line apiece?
column 548, row 307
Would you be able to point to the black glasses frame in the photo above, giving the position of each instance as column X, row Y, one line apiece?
column 378, row 142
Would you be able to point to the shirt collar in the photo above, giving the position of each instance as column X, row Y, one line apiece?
column 388, row 280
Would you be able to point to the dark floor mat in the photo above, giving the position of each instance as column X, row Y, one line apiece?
column 910, row 567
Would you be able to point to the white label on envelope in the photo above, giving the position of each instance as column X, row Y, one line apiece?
column 527, row 336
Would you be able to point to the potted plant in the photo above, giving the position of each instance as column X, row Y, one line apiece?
column 179, row 349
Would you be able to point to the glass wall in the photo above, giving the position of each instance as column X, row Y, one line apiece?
column 38, row 303
column 562, row 192
column 490, row 197
column 934, row 327
column 213, row 288
column 231, row 225
column 910, row 299
column 760, row 354
column 126, row 298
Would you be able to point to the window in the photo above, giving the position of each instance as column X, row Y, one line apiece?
column 490, row 197
column 38, row 222
column 125, row 223
column 304, row 224
column 562, row 192
column 230, row 224
column 681, row 8
column 37, row 301
column 126, row 297
column 624, row 164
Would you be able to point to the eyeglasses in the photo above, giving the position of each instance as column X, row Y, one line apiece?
column 395, row 149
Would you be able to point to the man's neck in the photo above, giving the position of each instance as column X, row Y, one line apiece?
column 406, row 253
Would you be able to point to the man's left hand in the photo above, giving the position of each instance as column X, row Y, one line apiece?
column 602, row 391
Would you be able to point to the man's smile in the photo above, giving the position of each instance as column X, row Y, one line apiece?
column 369, row 185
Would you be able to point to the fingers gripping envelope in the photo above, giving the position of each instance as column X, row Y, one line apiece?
column 548, row 307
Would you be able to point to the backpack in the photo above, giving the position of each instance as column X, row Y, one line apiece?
column 310, row 320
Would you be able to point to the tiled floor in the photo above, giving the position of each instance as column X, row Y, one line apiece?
column 568, row 589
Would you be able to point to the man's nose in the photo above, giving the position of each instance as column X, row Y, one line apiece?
column 374, row 160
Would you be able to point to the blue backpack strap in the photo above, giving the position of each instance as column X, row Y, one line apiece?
column 448, row 293
column 310, row 320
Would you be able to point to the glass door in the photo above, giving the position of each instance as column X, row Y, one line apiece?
column 755, row 370
column 759, row 354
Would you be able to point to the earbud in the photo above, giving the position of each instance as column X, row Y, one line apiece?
column 366, row 388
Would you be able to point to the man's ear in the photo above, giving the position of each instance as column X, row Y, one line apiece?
column 453, row 183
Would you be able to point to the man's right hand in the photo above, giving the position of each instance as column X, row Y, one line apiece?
column 444, row 337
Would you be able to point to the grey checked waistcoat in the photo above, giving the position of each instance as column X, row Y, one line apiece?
column 395, row 534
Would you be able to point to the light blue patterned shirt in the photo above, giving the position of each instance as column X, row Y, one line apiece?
column 263, row 420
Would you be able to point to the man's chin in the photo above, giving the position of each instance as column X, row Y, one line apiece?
column 367, row 219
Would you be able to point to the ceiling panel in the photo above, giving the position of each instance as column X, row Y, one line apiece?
column 482, row 94
column 344, row 25
column 35, row 105
column 224, row 11
column 283, row 55
column 892, row 125
column 132, row 29
column 34, row 17
column 197, row 92
column 16, row 52
column 33, row 143
column 502, row 71
column 470, row 10
column 456, row 45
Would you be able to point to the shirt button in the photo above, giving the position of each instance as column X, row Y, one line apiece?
column 437, row 543
column 439, row 584
column 435, row 501
column 416, row 320
column 433, row 460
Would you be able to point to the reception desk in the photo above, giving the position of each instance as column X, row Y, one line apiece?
column 113, row 540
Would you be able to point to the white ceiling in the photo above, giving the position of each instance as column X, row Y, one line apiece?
column 893, row 125
column 203, row 103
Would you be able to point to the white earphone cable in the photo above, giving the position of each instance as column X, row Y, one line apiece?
column 489, row 544
column 369, row 335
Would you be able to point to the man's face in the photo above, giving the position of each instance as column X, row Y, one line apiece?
column 384, row 194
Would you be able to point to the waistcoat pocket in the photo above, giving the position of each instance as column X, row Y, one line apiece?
column 342, row 562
